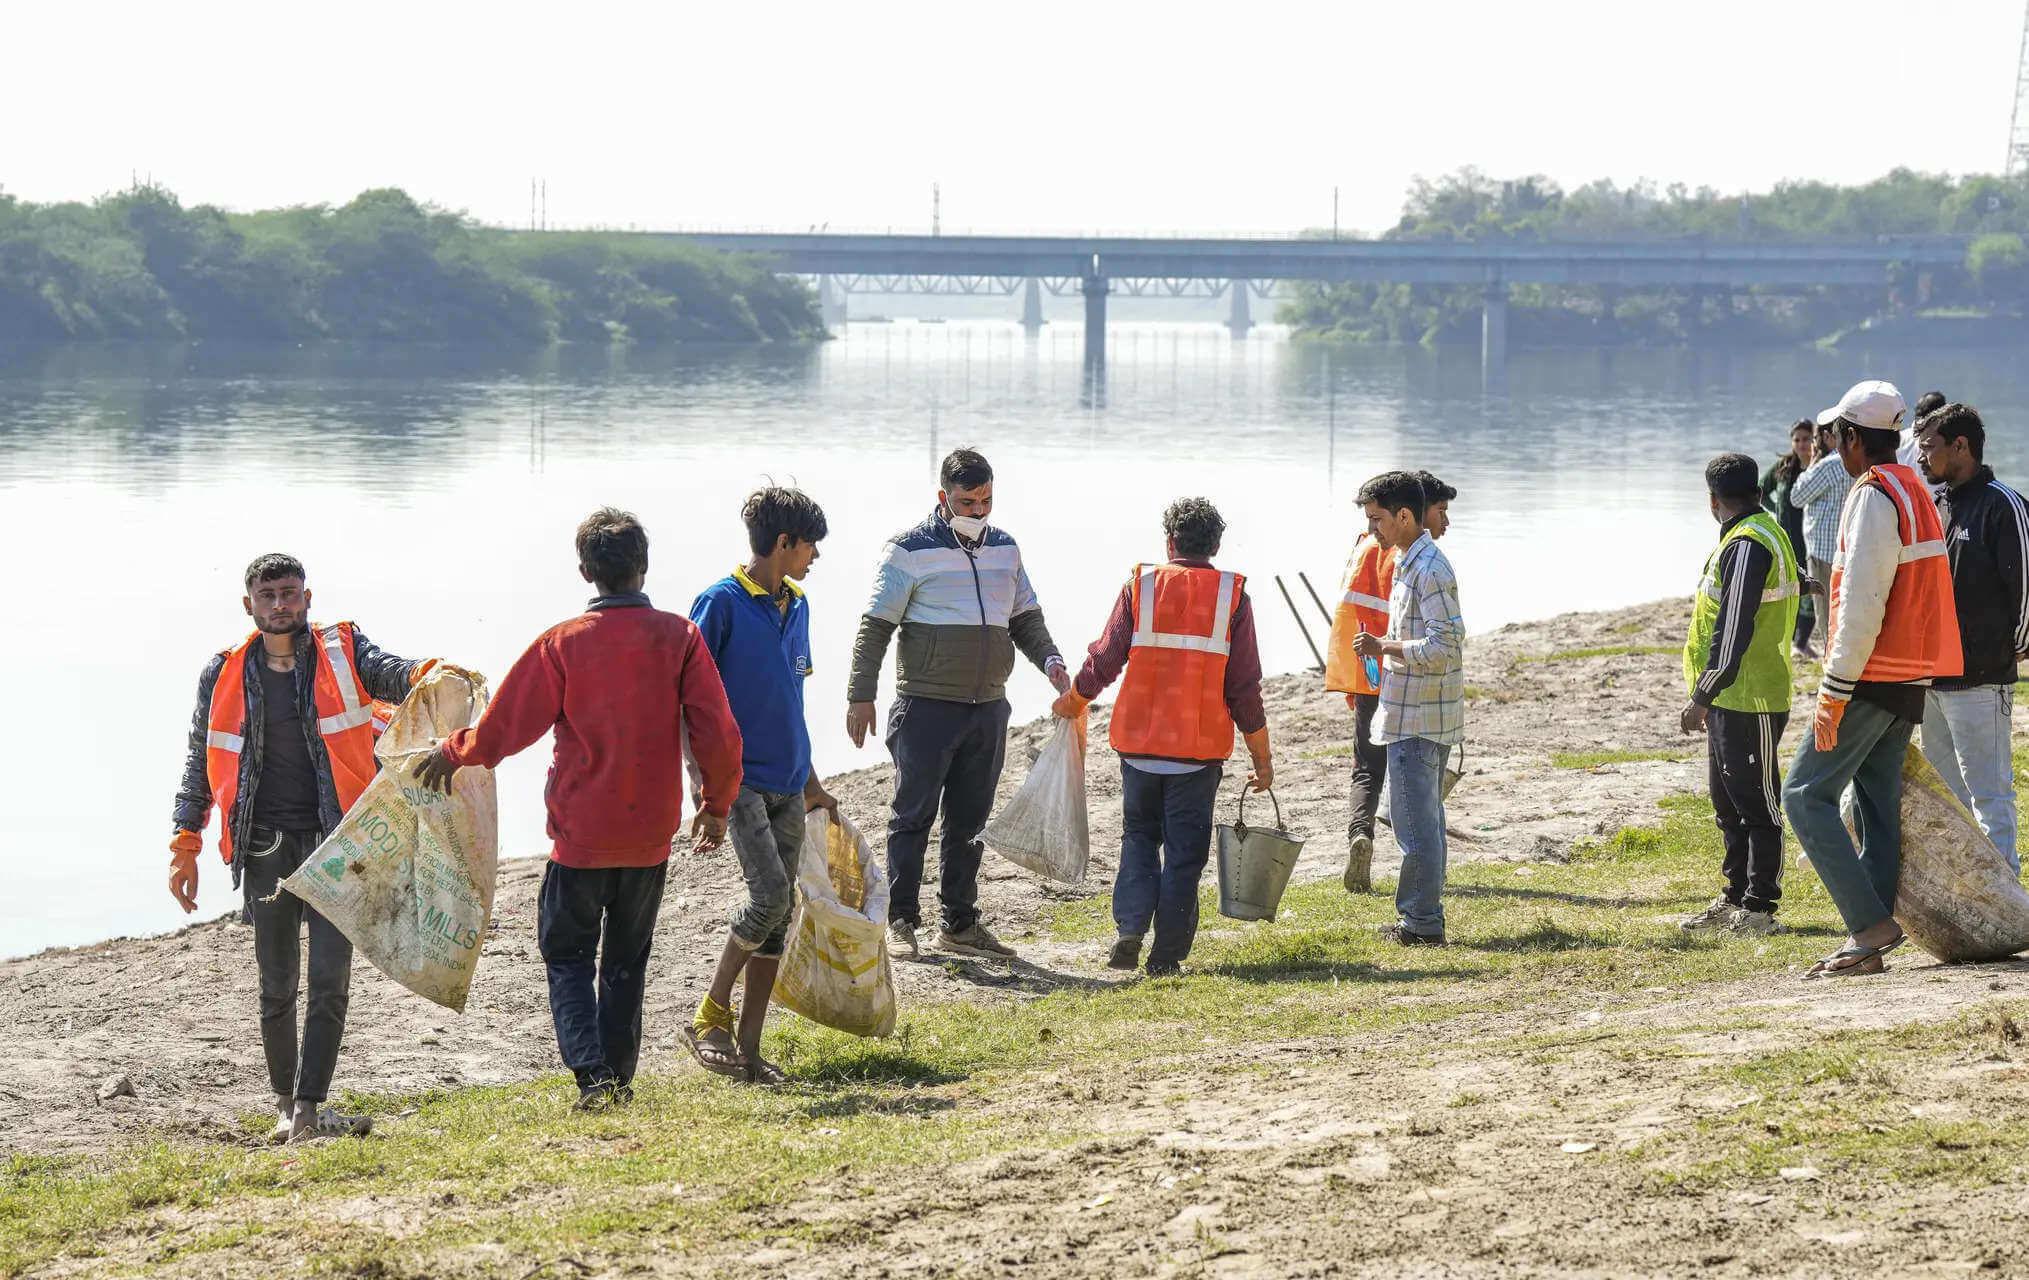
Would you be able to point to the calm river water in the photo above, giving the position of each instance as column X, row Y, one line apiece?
column 433, row 496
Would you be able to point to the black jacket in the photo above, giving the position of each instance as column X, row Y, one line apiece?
column 1987, row 538
column 382, row 676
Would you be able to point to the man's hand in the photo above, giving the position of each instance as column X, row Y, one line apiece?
column 708, row 832
column 434, row 771
column 1060, row 677
column 815, row 797
column 1830, row 712
column 183, row 851
column 1367, row 645
column 859, row 721
column 1693, row 718
column 1263, row 776
column 1070, row 704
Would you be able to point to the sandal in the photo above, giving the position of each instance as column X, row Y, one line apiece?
column 763, row 1072
column 1860, row 961
column 719, row 1059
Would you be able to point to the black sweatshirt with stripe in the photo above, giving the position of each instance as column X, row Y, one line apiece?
column 1987, row 540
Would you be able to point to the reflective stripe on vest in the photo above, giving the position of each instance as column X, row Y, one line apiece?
column 1762, row 679
column 1363, row 606
column 1919, row 635
column 1147, row 637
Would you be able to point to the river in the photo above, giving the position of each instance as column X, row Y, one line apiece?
column 432, row 495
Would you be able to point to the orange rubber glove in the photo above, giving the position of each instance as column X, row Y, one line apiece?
column 1830, row 711
column 423, row 669
column 1263, row 776
column 1070, row 704
column 183, row 851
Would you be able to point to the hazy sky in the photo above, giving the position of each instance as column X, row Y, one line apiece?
column 1037, row 115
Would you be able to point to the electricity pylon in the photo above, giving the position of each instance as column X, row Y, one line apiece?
column 2018, row 124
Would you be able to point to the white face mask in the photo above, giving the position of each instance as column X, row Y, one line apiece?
column 970, row 528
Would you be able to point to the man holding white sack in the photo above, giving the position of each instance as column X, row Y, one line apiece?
column 282, row 744
column 1184, row 634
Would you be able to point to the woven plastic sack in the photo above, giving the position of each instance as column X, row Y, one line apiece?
column 1957, row 899
column 409, row 874
column 836, row 969
column 1043, row 827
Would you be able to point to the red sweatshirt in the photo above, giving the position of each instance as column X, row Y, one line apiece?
column 622, row 686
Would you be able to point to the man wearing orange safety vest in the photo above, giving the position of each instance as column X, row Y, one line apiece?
column 1184, row 633
column 282, row 744
column 1363, row 610
column 1893, row 627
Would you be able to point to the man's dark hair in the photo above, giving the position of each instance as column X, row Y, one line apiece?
column 1395, row 491
column 1959, row 422
column 772, row 512
column 271, row 566
column 1928, row 402
column 1876, row 444
column 612, row 547
column 964, row 469
column 1195, row 526
column 1434, row 490
column 1733, row 477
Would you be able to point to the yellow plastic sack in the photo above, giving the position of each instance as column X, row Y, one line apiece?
column 836, row 969
column 1957, row 899
column 409, row 874
column 1043, row 827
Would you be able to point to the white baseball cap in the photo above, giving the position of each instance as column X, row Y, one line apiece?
column 1877, row 406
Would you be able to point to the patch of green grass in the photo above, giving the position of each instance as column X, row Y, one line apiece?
column 1474, row 693
column 1603, row 651
column 1594, row 759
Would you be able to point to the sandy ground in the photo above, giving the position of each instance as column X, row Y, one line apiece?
column 1306, row 1156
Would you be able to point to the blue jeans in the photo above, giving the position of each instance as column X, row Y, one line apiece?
column 1416, row 807
column 1868, row 756
column 1165, row 838
column 595, row 926
column 1965, row 738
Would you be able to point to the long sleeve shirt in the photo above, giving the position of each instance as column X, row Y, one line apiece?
column 1423, row 691
column 1987, row 540
column 1108, row 656
column 1871, row 533
column 1743, row 566
column 623, row 686
column 1820, row 494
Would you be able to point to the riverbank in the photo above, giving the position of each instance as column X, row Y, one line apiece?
column 1572, row 1085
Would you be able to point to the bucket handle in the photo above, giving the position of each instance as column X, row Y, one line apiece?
column 1241, row 824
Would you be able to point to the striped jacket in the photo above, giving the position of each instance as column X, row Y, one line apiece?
column 962, row 612
column 1987, row 540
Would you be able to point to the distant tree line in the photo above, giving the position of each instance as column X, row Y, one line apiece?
column 1469, row 205
column 381, row 267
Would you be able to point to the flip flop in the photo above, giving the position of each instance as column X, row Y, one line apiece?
column 1861, row 961
column 720, row 1060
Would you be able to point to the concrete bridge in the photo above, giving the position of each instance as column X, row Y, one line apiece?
column 1096, row 266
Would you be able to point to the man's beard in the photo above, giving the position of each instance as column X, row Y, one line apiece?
column 274, row 628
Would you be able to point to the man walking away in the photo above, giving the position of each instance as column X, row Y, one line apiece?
column 1776, row 484
column 1967, row 717
column 1820, row 493
column 1422, row 713
column 955, row 587
column 282, row 744
column 1184, row 633
column 624, row 685
column 1739, row 681
column 1894, row 629
column 756, row 623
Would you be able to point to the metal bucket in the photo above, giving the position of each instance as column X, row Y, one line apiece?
column 1254, row 865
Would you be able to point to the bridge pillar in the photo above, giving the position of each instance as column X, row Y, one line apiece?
column 1493, row 333
column 1094, row 289
column 1032, row 305
column 1238, row 318
column 830, row 302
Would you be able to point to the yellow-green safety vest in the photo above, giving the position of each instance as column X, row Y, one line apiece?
column 1763, row 681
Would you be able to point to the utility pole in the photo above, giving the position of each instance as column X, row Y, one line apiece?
column 936, row 209
column 2018, row 123
column 531, row 204
column 545, row 204
column 1335, row 213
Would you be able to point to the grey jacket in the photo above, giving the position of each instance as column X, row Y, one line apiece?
column 382, row 676
column 962, row 613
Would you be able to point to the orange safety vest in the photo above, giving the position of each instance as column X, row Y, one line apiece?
column 1919, row 636
column 1363, row 606
column 347, row 720
column 1172, row 700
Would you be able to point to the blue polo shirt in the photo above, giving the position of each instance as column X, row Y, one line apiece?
column 764, row 658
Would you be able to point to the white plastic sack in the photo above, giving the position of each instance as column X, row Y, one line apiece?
column 1043, row 827
column 1957, row 899
column 836, row 969
column 409, row 874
